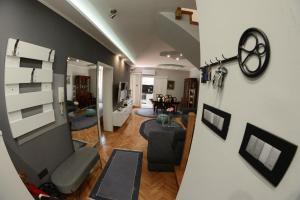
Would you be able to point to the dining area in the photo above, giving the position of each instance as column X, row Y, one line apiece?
column 165, row 103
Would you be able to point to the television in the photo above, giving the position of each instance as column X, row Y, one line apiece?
column 123, row 91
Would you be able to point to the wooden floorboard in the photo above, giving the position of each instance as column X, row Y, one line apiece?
column 154, row 185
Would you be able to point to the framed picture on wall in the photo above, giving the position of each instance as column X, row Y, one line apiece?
column 171, row 85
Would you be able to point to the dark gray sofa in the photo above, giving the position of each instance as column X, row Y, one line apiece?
column 165, row 149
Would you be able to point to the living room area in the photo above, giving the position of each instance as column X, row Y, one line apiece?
column 76, row 96
column 163, row 135
column 113, row 100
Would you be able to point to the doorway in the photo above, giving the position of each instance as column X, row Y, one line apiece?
column 147, row 92
column 82, row 102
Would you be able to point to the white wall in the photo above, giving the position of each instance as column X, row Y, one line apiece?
column 174, row 75
column 11, row 186
column 215, row 169
column 195, row 73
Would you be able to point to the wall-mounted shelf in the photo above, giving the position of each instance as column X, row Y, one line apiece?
column 38, row 78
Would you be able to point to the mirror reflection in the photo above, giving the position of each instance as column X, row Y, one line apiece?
column 82, row 102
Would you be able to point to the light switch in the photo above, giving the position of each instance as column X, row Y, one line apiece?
column 272, row 158
column 215, row 120
column 265, row 153
column 220, row 124
column 208, row 116
column 258, row 148
column 251, row 144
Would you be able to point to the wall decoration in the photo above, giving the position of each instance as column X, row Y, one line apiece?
column 28, row 87
column 260, row 51
column 171, row 85
column 217, row 120
column 267, row 153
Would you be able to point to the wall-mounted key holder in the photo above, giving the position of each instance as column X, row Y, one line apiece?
column 253, row 54
column 267, row 153
column 217, row 120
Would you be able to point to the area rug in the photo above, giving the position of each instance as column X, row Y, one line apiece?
column 120, row 179
column 148, row 112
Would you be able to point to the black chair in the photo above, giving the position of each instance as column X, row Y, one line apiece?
column 165, row 149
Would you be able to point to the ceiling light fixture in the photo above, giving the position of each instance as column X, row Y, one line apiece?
column 77, row 60
column 168, row 56
column 113, row 13
column 177, row 59
column 181, row 54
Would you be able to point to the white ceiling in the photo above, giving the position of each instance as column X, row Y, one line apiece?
column 134, row 32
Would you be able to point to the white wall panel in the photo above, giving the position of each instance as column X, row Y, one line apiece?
column 31, row 123
column 27, row 100
column 14, row 75
column 27, row 50
column 12, row 61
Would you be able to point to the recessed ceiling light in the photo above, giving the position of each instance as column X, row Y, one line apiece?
column 168, row 56
column 177, row 58
column 181, row 54
column 77, row 60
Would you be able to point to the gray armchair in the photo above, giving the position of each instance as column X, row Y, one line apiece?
column 165, row 150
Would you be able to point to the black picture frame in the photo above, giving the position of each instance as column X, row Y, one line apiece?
column 284, row 160
column 222, row 132
column 171, row 85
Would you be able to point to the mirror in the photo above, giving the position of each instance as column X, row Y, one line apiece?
column 83, row 102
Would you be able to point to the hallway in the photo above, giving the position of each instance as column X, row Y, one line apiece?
column 154, row 185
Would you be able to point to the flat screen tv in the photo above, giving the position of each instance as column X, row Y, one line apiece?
column 123, row 90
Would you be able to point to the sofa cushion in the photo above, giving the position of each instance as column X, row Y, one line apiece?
column 71, row 173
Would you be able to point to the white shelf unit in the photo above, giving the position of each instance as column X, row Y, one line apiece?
column 120, row 116
column 16, row 75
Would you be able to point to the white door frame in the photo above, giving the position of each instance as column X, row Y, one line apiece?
column 136, row 87
column 107, row 97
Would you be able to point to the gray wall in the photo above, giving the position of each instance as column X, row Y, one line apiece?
column 32, row 22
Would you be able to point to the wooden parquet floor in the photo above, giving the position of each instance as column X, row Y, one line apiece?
column 154, row 185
